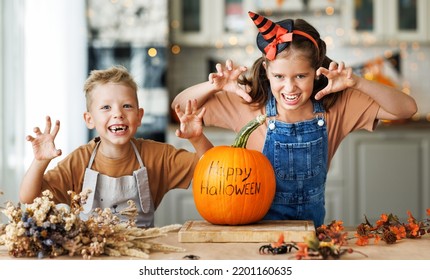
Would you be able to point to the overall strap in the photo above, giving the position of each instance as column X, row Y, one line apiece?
column 318, row 106
column 271, row 105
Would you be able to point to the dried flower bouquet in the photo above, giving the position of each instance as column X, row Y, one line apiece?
column 44, row 229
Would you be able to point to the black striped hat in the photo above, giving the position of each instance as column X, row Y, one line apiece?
column 275, row 37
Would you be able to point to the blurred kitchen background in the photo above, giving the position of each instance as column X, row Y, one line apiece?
column 48, row 48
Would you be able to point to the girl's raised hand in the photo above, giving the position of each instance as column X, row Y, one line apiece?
column 226, row 79
column 191, row 120
column 43, row 144
column 339, row 78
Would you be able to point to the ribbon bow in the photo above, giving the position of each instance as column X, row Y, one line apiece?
column 282, row 36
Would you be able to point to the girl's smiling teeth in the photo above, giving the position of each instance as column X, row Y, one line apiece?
column 290, row 97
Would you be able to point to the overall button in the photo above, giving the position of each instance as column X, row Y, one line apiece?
column 320, row 122
column 271, row 126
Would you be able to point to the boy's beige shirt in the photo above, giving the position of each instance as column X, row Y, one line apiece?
column 167, row 168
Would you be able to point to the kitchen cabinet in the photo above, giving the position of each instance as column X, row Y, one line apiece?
column 226, row 23
column 385, row 21
column 211, row 23
column 280, row 6
column 386, row 171
column 294, row 6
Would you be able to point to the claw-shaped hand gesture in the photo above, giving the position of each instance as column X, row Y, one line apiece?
column 339, row 78
column 191, row 121
column 43, row 144
column 226, row 79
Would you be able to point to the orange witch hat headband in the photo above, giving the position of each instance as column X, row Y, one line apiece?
column 274, row 37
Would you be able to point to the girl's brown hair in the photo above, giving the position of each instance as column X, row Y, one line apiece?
column 259, row 83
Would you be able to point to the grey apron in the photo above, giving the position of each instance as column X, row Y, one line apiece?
column 110, row 192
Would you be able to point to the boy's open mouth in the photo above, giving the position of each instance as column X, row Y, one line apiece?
column 118, row 128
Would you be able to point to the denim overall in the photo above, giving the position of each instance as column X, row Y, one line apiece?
column 298, row 152
column 110, row 192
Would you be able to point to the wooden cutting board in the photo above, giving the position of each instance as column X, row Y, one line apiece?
column 263, row 231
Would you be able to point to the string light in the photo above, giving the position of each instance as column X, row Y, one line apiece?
column 329, row 11
column 219, row 44
column 152, row 52
column 249, row 49
column 233, row 40
column 340, row 32
column 174, row 24
column 175, row 49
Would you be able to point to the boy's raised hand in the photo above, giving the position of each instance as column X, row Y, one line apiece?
column 191, row 120
column 226, row 79
column 43, row 144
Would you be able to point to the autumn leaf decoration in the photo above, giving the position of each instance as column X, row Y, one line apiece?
column 330, row 240
column 389, row 229
column 327, row 244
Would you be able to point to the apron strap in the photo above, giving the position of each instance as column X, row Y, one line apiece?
column 146, row 202
column 137, row 154
column 90, row 182
column 141, row 176
column 93, row 155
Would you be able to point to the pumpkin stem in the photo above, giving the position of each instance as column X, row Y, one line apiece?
column 245, row 132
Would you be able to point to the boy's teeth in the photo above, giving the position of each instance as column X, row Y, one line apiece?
column 118, row 128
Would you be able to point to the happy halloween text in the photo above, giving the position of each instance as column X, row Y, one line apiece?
column 231, row 181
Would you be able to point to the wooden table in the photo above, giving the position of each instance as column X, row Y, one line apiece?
column 406, row 249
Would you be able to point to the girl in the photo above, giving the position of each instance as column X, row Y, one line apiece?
column 311, row 104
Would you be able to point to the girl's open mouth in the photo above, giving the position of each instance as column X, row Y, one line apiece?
column 291, row 99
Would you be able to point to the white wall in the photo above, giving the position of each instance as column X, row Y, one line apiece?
column 44, row 69
column 1, row 101
column 12, row 94
column 55, row 69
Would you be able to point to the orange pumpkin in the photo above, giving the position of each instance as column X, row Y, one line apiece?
column 233, row 185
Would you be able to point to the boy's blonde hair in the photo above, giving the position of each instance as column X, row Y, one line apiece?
column 116, row 74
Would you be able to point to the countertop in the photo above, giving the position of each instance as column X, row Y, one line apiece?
column 406, row 249
column 410, row 124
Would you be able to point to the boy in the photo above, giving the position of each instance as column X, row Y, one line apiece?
column 116, row 166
